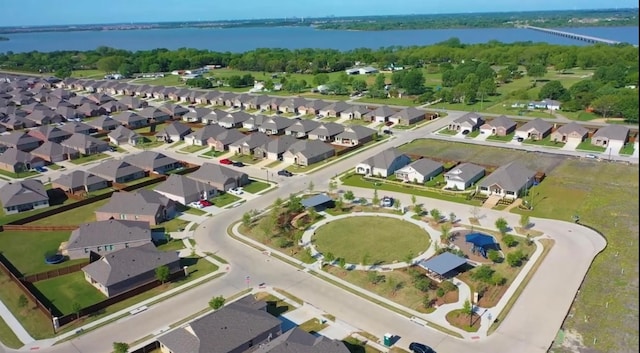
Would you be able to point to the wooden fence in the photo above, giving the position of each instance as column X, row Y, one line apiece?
column 25, row 287
column 54, row 273
column 20, row 227
column 148, row 348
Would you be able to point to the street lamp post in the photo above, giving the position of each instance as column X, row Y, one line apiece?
column 267, row 171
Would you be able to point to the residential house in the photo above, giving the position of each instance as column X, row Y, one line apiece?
column 104, row 123
column 254, row 122
column 298, row 340
column 23, row 195
column 49, row 133
column 140, row 205
column 334, row 109
column 509, row 181
column 69, row 113
column 275, row 125
column 242, row 326
column 234, row 120
column 380, row 114
column 114, row 106
column 54, row 152
column 258, row 102
column 131, row 119
column 118, row 171
column 549, row 104
column 614, row 136
column 291, row 105
column 275, row 148
column 536, row 129
column 463, row 176
column 225, row 99
column 129, row 268
column 301, row 127
column 133, row 102
column 420, row 171
column 15, row 122
column 367, row 70
column 383, row 164
column 15, row 161
column 76, row 127
column 274, row 104
column 35, row 106
column 326, row 132
column 123, row 136
column 100, row 98
column 213, row 117
column 195, row 115
column 20, row 140
column 355, row 112
column 176, row 131
column 313, row 107
column 174, row 110
column 143, row 91
column 153, row 162
column 220, row 177
column 44, row 117
column 500, row 126
column 222, row 141
column 201, row 136
column 79, row 181
column 79, row 100
column 207, row 98
column 61, row 94
column 308, row 152
column 104, row 237
column 572, row 132
column 85, row 144
column 153, row 114
column 184, row 190
column 249, row 143
column 91, row 109
column 408, row 116
column 242, row 101
column 355, row 135
column 468, row 122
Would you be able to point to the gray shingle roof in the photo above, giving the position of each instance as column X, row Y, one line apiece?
column 13, row 156
column 425, row 166
column 298, row 341
column 141, row 202
column 49, row 132
column 537, row 124
column 175, row 129
column 75, row 126
column 222, row 331
column 383, row 111
column 114, row 168
column 129, row 117
column 207, row 131
column 82, row 142
column 409, row 113
column 510, row 177
column 613, row 132
column 384, row 159
column 52, row 149
column 22, row 192
column 254, row 140
column 150, row 160
column 310, row 148
column 127, row 263
column 501, row 121
column 303, row 126
column 276, row 123
column 327, row 129
column 464, row 171
column 356, row 132
column 104, row 122
column 108, row 232
column 573, row 127
column 78, row 178
column 182, row 186
column 279, row 145
column 210, row 172
column 229, row 136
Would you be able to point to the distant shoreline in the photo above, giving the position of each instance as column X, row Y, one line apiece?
column 3, row 38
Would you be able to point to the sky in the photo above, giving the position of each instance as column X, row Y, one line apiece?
column 63, row 12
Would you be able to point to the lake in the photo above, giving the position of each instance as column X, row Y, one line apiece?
column 244, row 39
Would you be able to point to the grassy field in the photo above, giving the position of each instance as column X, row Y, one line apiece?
column 255, row 186
column 76, row 216
column 387, row 239
column 167, row 80
column 95, row 74
column 64, row 292
column 33, row 320
column 598, row 192
column 26, row 250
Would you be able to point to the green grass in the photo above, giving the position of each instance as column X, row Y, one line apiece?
column 172, row 225
column 627, row 149
column 255, row 186
column 18, row 175
column 194, row 211
column 405, row 102
column 329, row 97
column 386, row 240
column 193, row 148
column 587, row 146
column 7, row 337
column 273, row 164
column 89, row 158
column 76, row 216
column 54, row 166
column 246, row 159
column 224, row 199
column 33, row 320
column 66, row 291
column 95, row 74
column 176, row 144
column 447, row 132
column 473, row 134
column 148, row 144
column 167, row 80
column 505, row 138
column 312, row 326
column 546, row 142
column 213, row 153
column 355, row 346
column 26, row 250
column 171, row 245
column 580, row 115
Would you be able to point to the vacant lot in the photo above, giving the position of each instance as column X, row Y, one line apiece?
column 605, row 197
column 369, row 240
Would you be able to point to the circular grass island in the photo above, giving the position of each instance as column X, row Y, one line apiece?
column 376, row 239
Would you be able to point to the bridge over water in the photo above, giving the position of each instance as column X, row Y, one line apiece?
column 576, row 36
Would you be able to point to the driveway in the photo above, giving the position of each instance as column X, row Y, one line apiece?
column 571, row 145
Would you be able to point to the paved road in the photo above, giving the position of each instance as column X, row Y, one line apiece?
column 530, row 327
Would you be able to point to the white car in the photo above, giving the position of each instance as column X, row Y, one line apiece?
column 195, row 205
column 236, row 191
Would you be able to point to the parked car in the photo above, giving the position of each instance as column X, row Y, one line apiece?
column 388, row 123
column 386, row 201
column 205, row 203
column 466, row 132
column 238, row 164
column 195, row 205
column 591, row 156
column 40, row 169
column 520, row 139
column 388, row 132
column 226, row 161
column 236, row 191
column 285, row 172
column 416, row 347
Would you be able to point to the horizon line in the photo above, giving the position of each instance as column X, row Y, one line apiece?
column 307, row 18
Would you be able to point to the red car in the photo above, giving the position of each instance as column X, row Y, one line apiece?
column 226, row 161
column 205, row 203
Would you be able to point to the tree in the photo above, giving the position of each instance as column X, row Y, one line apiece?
column 365, row 259
column 417, row 209
column 342, row 263
column 379, row 83
column 515, row 259
column 525, row 221
column 509, row 240
column 436, row 215
column 163, row 273
column 554, row 90
column 127, row 70
column 359, row 85
column 22, row 301
column 423, row 284
column 349, row 196
column 414, row 199
column 246, row 219
column 482, row 273
column 266, row 225
column 494, row 256
column 536, row 71
column 502, row 225
column 333, row 185
column 376, row 199
column 120, row 347
column 426, row 301
column 312, row 213
column 445, row 232
column 329, row 257
column 605, row 104
column 467, row 308
column 109, row 63
column 63, row 72
column 397, row 204
column 216, row 302
column 320, row 79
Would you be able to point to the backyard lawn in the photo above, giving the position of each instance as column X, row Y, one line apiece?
column 387, row 239
column 26, row 250
column 89, row 158
column 64, row 292
column 255, row 186
column 76, row 216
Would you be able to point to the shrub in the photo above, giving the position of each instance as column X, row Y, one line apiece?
column 440, row 292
